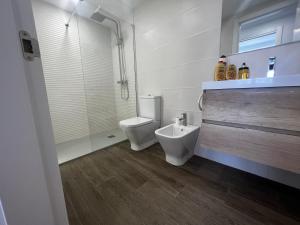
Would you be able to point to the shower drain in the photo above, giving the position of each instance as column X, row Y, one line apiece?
column 111, row 136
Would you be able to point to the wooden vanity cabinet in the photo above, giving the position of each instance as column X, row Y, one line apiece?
column 258, row 124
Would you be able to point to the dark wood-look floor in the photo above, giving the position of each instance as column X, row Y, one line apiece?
column 120, row 186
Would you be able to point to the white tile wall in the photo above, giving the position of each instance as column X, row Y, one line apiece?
column 177, row 47
column 78, row 69
column 61, row 61
column 97, row 65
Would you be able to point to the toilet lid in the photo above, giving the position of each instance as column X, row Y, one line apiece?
column 135, row 122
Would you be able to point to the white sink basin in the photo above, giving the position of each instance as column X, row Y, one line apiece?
column 178, row 142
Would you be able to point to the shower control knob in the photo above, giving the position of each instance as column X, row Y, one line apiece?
column 122, row 82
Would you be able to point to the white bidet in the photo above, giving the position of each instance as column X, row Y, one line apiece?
column 178, row 142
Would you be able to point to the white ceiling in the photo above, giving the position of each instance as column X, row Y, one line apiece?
column 119, row 8
column 70, row 4
column 133, row 3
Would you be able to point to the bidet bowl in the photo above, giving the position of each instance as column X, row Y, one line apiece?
column 178, row 142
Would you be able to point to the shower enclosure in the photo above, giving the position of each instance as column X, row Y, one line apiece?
column 90, row 84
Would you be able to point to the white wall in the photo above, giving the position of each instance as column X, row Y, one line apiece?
column 227, row 37
column 296, row 31
column 61, row 59
column 78, row 69
column 25, row 192
column 97, row 65
column 177, row 48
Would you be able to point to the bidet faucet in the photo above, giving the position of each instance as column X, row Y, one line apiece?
column 183, row 119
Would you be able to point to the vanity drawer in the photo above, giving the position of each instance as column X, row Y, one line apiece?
column 273, row 149
column 277, row 108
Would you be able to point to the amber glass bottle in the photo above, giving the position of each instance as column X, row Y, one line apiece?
column 220, row 69
column 231, row 72
column 244, row 72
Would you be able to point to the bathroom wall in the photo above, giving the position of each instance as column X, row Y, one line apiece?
column 78, row 70
column 177, row 48
column 96, row 54
column 297, row 24
column 227, row 37
column 60, row 53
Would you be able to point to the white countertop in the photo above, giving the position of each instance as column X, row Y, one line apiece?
column 279, row 81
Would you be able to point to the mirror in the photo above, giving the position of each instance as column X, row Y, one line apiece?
column 249, row 25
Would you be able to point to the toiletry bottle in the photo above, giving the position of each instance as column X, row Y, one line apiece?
column 244, row 72
column 231, row 72
column 220, row 69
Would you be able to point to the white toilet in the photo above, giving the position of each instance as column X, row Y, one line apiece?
column 141, row 130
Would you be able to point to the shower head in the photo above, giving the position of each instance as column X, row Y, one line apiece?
column 98, row 17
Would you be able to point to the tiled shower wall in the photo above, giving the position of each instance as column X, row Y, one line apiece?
column 97, row 64
column 79, row 74
column 177, row 47
column 60, row 53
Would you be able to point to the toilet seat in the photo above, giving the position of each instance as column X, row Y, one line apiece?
column 135, row 122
